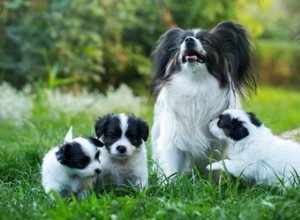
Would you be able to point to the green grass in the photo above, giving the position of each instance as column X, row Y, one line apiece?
column 22, row 196
column 277, row 108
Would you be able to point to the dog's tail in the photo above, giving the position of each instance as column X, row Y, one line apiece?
column 69, row 135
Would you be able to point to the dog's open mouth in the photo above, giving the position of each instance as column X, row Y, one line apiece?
column 193, row 57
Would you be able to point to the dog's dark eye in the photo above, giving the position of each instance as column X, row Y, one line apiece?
column 112, row 136
column 83, row 163
column 97, row 155
column 204, row 40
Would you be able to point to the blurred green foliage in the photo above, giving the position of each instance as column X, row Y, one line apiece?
column 102, row 43
column 279, row 63
column 96, row 43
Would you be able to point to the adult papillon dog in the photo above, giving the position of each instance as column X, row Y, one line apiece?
column 198, row 74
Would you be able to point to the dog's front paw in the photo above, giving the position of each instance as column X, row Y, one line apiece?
column 215, row 166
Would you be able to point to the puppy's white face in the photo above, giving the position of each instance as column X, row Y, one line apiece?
column 81, row 157
column 121, row 147
column 122, row 135
column 234, row 125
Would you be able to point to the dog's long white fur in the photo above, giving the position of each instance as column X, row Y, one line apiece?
column 180, row 136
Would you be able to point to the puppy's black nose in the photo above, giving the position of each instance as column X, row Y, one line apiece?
column 189, row 40
column 97, row 171
column 121, row 149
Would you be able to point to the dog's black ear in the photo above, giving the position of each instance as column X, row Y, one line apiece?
column 254, row 120
column 63, row 153
column 144, row 130
column 101, row 124
column 165, row 50
column 235, row 45
column 95, row 141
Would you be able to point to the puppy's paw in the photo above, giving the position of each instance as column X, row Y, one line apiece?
column 215, row 166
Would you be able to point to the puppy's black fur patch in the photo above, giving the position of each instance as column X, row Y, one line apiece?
column 71, row 155
column 232, row 127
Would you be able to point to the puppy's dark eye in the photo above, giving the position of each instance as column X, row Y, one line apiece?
column 97, row 155
column 112, row 136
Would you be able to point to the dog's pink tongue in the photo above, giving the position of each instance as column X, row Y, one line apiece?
column 191, row 58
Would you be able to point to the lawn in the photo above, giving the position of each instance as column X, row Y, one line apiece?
column 22, row 146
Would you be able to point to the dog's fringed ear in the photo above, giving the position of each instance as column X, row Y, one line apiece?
column 163, row 52
column 63, row 153
column 101, row 124
column 235, row 44
column 96, row 141
column 69, row 135
column 144, row 130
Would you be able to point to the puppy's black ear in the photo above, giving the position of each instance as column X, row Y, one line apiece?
column 95, row 141
column 101, row 124
column 238, row 133
column 63, row 153
column 254, row 120
column 144, row 130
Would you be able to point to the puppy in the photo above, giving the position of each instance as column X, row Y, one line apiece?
column 124, row 157
column 72, row 168
column 254, row 152
column 197, row 75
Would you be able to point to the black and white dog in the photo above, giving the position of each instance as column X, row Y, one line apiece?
column 198, row 74
column 254, row 153
column 73, row 167
column 124, row 156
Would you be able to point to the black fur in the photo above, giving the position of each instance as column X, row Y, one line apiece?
column 109, row 127
column 238, row 131
column 254, row 120
column 228, row 56
column 71, row 155
column 232, row 127
column 95, row 141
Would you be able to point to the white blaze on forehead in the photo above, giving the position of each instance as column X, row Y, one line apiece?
column 195, row 31
column 123, row 123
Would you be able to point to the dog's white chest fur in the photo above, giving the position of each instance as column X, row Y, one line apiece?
column 183, row 110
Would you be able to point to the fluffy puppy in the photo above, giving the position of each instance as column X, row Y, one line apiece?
column 197, row 75
column 124, row 157
column 254, row 152
column 73, row 167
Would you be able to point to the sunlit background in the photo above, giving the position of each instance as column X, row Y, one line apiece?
column 96, row 48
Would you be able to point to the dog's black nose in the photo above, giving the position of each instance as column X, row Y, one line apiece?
column 189, row 40
column 97, row 171
column 121, row 149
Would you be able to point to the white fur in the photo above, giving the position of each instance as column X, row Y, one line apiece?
column 261, row 156
column 184, row 107
column 120, row 169
column 65, row 180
